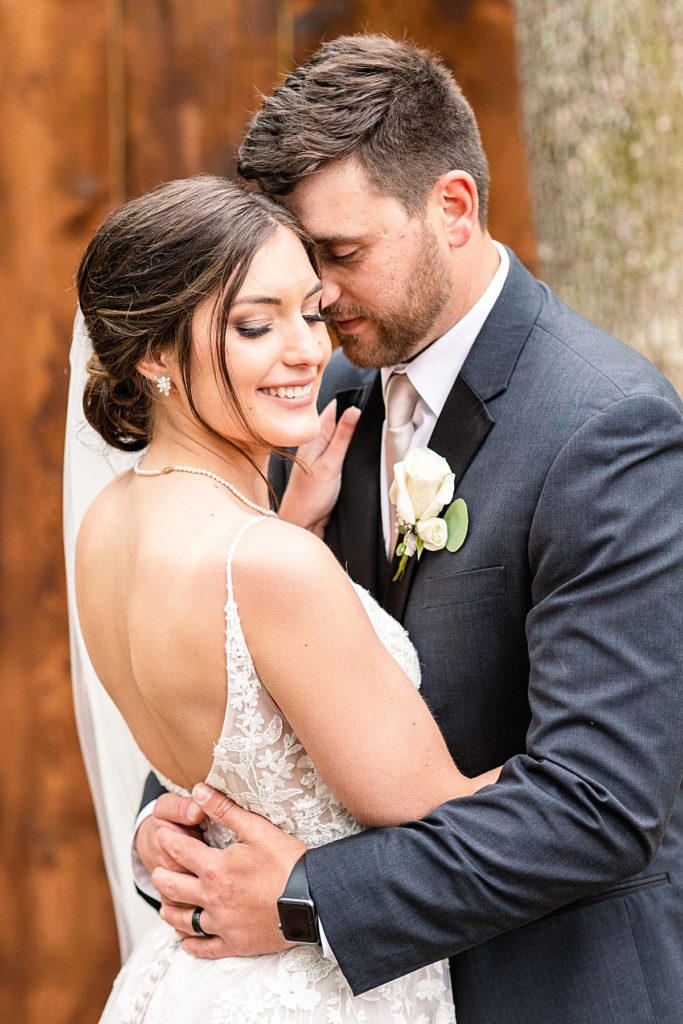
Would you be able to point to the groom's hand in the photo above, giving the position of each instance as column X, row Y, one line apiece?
column 237, row 887
column 177, row 813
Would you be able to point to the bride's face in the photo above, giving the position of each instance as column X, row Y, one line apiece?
column 276, row 347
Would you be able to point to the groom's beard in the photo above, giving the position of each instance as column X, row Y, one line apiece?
column 395, row 335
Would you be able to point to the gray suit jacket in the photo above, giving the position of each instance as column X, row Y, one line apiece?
column 552, row 641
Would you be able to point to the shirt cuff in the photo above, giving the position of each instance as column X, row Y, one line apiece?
column 328, row 952
column 140, row 873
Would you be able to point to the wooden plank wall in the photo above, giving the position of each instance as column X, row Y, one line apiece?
column 102, row 99
column 57, row 940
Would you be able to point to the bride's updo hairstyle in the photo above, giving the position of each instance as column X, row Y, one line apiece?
column 143, row 275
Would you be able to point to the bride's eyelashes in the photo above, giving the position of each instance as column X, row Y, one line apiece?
column 315, row 316
column 256, row 331
column 247, row 330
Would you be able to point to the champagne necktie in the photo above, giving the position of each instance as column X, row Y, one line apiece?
column 400, row 400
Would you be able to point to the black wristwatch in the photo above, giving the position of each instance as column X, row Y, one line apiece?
column 298, row 919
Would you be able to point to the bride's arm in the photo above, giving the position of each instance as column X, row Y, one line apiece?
column 366, row 728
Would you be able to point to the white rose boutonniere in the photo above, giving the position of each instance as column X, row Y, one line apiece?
column 423, row 485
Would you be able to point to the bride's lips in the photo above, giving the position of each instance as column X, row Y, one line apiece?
column 349, row 326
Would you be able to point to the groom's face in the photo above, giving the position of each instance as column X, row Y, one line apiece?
column 386, row 274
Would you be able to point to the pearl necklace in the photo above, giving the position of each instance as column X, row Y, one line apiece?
column 203, row 472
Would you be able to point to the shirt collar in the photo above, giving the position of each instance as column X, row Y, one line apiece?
column 434, row 370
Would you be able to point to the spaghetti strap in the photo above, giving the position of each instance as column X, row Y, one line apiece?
column 233, row 547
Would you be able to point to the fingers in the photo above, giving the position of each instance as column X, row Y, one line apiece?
column 311, row 451
column 328, row 422
column 328, row 449
column 147, row 845
column 214, row 948
column 221, row 808
column 335, row 453
column 175, row 887
column 164, row 859
column 180, row 918
column 189, row 853
column 180, row 810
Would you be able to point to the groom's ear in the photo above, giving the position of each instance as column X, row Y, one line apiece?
column 457, row 201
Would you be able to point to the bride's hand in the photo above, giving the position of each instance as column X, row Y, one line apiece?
column 312, row 493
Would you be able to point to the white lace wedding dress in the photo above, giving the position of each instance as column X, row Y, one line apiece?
column 259, row 762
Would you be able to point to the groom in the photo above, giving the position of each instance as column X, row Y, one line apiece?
column 551, row 642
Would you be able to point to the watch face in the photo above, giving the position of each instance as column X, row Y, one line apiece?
column 298, row 920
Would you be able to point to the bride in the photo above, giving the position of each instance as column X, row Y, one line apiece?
column 233, row 644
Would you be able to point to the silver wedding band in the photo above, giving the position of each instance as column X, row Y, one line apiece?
column 196, row 926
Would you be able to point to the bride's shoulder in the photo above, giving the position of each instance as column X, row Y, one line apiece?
column 277, row 550
column 265, row 551
column 103, row 515
column 277, row 563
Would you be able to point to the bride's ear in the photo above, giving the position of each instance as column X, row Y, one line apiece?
column 156, row 364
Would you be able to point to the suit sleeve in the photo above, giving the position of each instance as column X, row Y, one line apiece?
column 151, row 791
column 587, row 803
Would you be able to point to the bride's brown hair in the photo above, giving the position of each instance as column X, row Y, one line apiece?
column 149, row 266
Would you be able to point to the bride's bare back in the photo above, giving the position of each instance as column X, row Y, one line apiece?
column 151, row 593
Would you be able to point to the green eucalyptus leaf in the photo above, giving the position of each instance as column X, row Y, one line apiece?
column 401, row 569
column 400, row 549
column 457, row 521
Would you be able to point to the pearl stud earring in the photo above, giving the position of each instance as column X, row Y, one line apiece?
column 164, row 385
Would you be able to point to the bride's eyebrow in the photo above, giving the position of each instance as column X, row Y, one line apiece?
column 271, row 300
column 253, row 300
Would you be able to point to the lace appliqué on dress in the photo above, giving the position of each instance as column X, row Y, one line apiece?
column 260, row 763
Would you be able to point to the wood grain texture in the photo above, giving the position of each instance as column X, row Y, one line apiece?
column 58, row 941
column 192, row 71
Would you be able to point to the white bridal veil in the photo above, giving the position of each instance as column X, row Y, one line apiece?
column 116, row 768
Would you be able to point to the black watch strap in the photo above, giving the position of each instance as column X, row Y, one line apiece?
column 297, row 883
column 298, row 919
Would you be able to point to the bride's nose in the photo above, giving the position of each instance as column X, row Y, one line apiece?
column 306, row 345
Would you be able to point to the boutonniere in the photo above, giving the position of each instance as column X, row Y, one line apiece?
column 423, row 485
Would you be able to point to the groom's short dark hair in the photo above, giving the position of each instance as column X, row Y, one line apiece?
column 394, row 107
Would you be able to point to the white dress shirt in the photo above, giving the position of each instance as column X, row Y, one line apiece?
column 433, row 373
